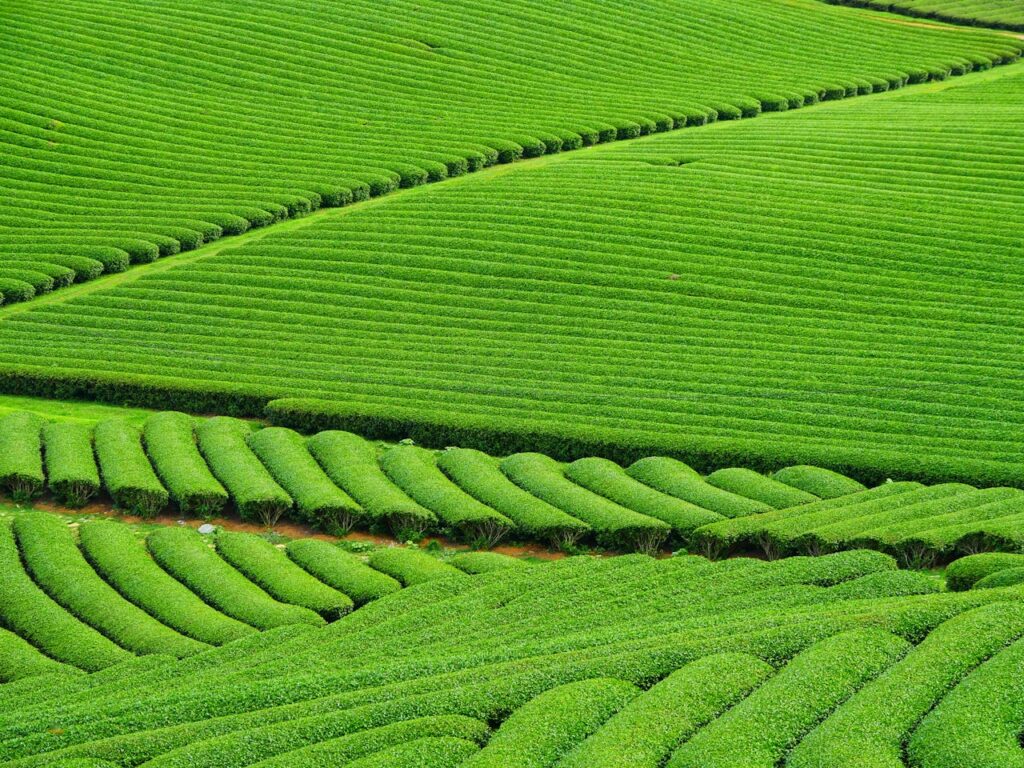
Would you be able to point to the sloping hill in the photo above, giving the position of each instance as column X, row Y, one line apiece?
column 134, row 131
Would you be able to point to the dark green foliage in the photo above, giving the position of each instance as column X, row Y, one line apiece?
column 341, row 570
column 773, row 719
column 411, row 566
column 256, row 495
column 52, row 557
column 122, row 561
column 184, row 554
column 479, row 475
column 21, row 456
column 71, row 471
column 263, row 564
column 608, row 479
column 817, row 481
column 964, row 573
column 613, row 525
column 318, row 500
column 485, row 562
column 677, row 479
column 171, row 444
column 127, row 474
column 550, row 726
column 28, row 611
column 649, row 728
column 415, row 471
column 351, row 462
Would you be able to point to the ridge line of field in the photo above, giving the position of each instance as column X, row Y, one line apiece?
column 166, row 263
column 935, row 16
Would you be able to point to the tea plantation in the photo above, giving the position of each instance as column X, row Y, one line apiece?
column 465, row 384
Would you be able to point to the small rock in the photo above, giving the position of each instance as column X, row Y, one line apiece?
column 207, row 528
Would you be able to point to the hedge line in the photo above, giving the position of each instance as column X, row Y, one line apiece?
column 613, row 525
column 650, row 727
column 428, row 752
column 817, row 481
column 415, row 471
column 19, row 661
column 318, row 500
column 341, row 570
column 677, row 479
column 410, row 566
column 115, row 553
column 183, row 553
column 72, row 474
column 256, row 495
column 268, row 567
column 351, row 462
column 52, row 557
column 21, row 455
column 127, row 474
column 485, row 562
column 28, row 611
column 753, row 485
column 170, row 441
column 479, row 475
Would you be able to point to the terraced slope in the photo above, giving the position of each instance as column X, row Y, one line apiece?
column 98, row 599
column 159, row 127
column 796, row 289
column 999, row 14
column 595, row 662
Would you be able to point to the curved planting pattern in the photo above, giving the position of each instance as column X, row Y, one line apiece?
column 171, row 444
column 998, row 14
column 341, row 570
column 71, row 471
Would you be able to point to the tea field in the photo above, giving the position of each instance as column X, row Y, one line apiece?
column 464, row 384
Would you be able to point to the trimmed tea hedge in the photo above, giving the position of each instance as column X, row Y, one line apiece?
column 265, row 565
column 485, row 562
column 127, row 474
column 71, row 471
column 967, row 571
column 21, row 455
column 171, row 445
column 410, row 566
column 677, row 479
column 341, row 570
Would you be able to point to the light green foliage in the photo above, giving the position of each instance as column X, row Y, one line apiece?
column 745, row 482
column 411, row 566
column 21, row 455
column 540, row 732
column 171, row 445
column 1007, row 577
column 964, row 573
column 127, row 474
column 263, row 564
column 71, row 471
column 122, row 561
column 485, row 562
column 428, row 752
column 184, row 554
column 341, row 570
column 817, row 481
column 1000, row 14
column 677, row 479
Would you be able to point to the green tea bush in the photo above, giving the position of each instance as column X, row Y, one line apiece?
column 183, row 553
column 127, row 474
column 485, row 562
column 265, row 565
column 817, row 481
column 428, row 752
column 19, row 660
column 547, row 728
column 677, row 479
column 71, row 471
column 608, row 479
column 171, row 444
column 967, row 571
column 1007, row 577
column 351, row 462
column 52, row 557
column 21, row 455
column 479, row 475
column 256, row 495
column 318, row 500
column 613, row 524
column 650, row 727
column 415, row 471
column 754, row 485
column 411, row 566
column 28, row 611
column 341, row 570
column 773, row 719
column 121, row 559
